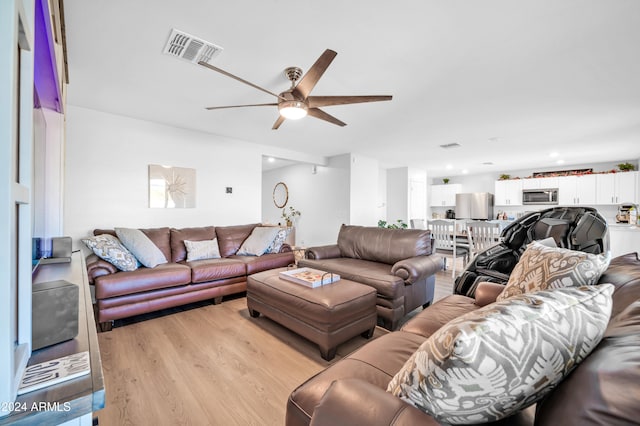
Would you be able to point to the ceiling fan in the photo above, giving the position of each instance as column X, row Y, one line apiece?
column 296, row 102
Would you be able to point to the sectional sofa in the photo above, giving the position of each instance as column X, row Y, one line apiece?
column 604, row 389
column 120, row 294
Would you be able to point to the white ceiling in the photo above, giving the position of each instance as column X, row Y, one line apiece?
column 511, row 81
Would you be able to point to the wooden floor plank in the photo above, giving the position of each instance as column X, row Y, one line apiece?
column 212, row 365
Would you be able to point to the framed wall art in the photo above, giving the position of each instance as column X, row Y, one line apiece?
column 172, row 187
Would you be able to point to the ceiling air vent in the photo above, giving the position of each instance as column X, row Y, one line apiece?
column 450, row 145
column 190, row 48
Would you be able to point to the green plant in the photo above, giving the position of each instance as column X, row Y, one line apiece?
column 445, row 180
column 289, row 215
column 505, row 177
column 625, row 167
column 399, row 224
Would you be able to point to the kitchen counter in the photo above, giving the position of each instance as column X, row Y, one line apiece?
column 623, row 238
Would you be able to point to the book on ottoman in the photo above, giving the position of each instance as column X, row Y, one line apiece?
column 309, row 277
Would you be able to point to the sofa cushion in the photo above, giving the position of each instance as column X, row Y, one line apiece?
column 265, row 262
column 374, row 274
column 141, row 247
column 605, row 388
column 376, row 363
column 430, row 320
column 216, row 269
column 178, row 249
column 230, row 238
column 109, row 248
column 542, row 267
column 200, row 250
column 382, row 244
column 497, row 360
column 259, row 241
column 142, row 279
column 623, row 274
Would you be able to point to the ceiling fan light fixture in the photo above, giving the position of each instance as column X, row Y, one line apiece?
column 293, row 110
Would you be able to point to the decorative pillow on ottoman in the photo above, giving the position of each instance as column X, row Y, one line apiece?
column 541, row 267
column 109, row 248
column 493, row 362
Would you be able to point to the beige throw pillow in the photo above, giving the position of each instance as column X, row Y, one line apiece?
column 259, row 241
column 200, row 250
column 141, row 247
column 541, row 267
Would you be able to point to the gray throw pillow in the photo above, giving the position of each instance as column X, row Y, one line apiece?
column 259, row 241
column 141, row 247
column 497, row 360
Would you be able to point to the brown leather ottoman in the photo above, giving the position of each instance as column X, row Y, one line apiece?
column 327, row 315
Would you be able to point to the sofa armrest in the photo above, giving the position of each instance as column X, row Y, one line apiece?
column 415, row 268
column 486, row 292
column 97, row 267
column 323, row 252
column 286, row 248
column 356, row 402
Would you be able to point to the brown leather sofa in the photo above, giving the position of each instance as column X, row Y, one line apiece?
column 398, row 263
column 123, row 294
column 603, row 390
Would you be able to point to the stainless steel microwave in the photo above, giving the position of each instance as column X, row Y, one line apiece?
column 540, row 196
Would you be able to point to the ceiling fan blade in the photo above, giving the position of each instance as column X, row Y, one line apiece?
column 240, row 106
column 318, row 113
column 228, row 74
column 319, row 101
column 278, row 122
column 310, row 79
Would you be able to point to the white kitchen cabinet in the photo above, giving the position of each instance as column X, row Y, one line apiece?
column 540, row 183
column 623, row 239
column 577, row 190
column 444, row 195
column 616, row 188
column 508, row 192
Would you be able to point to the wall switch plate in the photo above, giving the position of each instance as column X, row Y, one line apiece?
column 229, row 190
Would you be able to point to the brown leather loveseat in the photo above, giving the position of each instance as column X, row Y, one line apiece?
column 604, row 389
column 121, row 294
column 398, row 263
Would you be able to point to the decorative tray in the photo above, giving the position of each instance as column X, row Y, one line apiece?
column 309, row 277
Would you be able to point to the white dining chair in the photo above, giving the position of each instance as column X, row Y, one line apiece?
column 444, row 234
column 482, row 235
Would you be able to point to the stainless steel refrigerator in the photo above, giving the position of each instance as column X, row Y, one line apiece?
column 476, row 205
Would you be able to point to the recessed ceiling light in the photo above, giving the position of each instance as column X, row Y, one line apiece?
column 465, row 171
column 560, row 162
column 271, row 159
column 553, row 154
column 449, row 167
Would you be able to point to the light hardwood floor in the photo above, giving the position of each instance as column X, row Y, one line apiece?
column 210, row 365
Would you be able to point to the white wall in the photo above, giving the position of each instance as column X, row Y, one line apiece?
column 107, row 159
column 397, row 194
column 363, row 204
column 322, row 198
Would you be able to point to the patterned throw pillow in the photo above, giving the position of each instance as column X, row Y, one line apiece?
column 541, row 267
column 493, row 362
column 199, row 250
column 108, row 247
column 277, row 243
